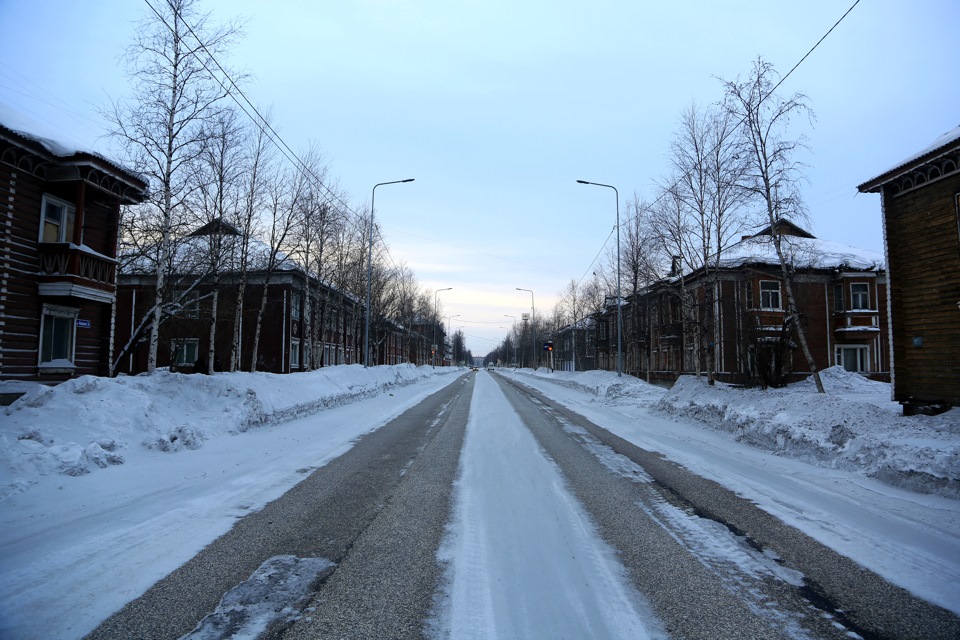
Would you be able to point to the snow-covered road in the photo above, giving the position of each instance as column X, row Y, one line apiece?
column 523, row 558
column 524, row 539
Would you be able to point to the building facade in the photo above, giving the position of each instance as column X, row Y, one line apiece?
column 731, row 320
column 61, row 211
column 920, row 204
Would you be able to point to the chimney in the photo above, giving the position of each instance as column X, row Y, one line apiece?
column 676, row 265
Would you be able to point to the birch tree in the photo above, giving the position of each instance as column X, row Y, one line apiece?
column 163, row 125
column 710, row 166
column 774, row 174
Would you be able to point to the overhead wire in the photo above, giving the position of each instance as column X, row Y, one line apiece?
column 737, row 126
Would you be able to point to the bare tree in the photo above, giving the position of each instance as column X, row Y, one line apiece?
column 163, row 126
column 215, row 203
column 774, row 175
column 256, row 171
column 282, row 193
column 710, row 168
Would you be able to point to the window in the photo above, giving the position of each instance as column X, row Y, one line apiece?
column 294, row 354
column 57, row 220
column 854, row 358
column 57, row 333
column 602, row 330
column 770, row 294
column 859, row 295
column 184, row 352
column 838, row 298
column 748, row 294
column 295, row 310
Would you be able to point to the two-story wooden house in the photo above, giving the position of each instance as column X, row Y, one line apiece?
column 60, row 213
column 920, row 204
column 731, row 318
column 305, row 324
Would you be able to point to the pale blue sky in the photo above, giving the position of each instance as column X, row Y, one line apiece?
column 496, row 108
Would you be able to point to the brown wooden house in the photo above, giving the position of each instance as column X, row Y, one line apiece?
column 306, row 322
column 735, row 315
column 60, row 217
column 920, row 202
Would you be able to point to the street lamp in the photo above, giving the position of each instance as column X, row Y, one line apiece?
column 533, row 327
column 619, row 311
column 433, row 357
column 366, row 324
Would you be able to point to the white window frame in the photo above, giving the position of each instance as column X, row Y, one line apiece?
column 296, row 300
column 863, row 357
column 856, row 297
column 765, row 296
column 65, row 225
column 54, row 312
column 294, row 353
column 182, row 361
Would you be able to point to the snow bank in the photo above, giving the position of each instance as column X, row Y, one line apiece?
column 89, row 423
column 853, row 426
column 604, row 385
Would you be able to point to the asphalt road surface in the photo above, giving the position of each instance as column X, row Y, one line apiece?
column 379, row 512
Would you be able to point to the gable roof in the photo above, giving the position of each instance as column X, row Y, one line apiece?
column 806, row 252
column 949, row 141
column 19, row 130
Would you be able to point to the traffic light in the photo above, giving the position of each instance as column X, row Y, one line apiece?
column 548, row 346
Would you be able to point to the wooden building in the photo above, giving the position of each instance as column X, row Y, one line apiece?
column 731, row 319
column 920, row 204
column 60, row 214
column 306, row 323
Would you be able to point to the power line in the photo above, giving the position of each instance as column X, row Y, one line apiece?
column 738, row 125
column 282, row 146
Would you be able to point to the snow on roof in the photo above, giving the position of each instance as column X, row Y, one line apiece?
column 940, row 144
column 55, row 142
column 805, row 253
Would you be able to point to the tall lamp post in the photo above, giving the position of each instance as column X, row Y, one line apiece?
column 533, row 327
column 366, row 324
column 619, row 311
column 449, row 329
column 433, row 357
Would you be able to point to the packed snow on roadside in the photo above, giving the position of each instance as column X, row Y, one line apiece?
column 843, row 467
column 91, row 423
column 853, row 426
column 108, row 485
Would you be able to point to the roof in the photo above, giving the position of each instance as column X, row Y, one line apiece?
column 945, row 143
column 22, row 131
column 805, row 253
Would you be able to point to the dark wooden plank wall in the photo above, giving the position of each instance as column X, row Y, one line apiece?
column 924, row 256
column 20, row 191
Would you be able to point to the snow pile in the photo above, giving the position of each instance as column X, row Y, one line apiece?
column 606, row 386
column 853, row 426
column 89, row 423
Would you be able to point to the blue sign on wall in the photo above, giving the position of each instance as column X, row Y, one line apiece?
column 83, row 324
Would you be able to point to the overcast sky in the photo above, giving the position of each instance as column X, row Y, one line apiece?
column 496, row 108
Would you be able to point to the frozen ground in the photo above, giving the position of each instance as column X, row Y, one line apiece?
column 108, row 485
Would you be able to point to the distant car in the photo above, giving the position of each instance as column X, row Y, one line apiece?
column 475, row 368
